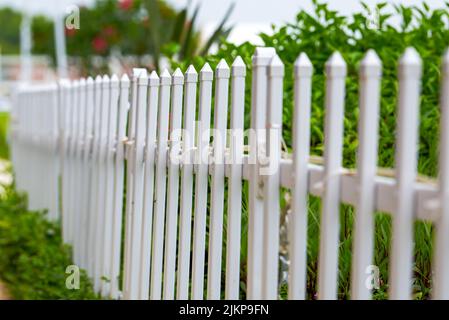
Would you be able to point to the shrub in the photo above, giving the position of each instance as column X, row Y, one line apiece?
column 33, row 259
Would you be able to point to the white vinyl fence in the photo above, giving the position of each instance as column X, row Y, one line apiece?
column 80, row 146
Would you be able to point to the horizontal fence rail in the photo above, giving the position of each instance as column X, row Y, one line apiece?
column 146, row 176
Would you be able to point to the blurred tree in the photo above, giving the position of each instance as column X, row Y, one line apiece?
column 9, row 32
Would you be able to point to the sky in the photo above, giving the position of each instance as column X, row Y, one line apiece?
column 249, row 16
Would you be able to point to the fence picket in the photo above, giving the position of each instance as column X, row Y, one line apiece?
column 94, row 181
column 441, row 255
column 201, row 189
column 333, row 141
column 150, row 151
column 405, row 168
column 119, row 185
column 232, row 285
column 370, row 73
column 63, row 108
column 222, row 75
column 261, row 59
column 171, row 224
column 189, row 109
column 71, row 150
column 86, row 164
column 138, row 183
column 78, row 188
column 109, row 183
column 128, row 289
column 102, row 179
column 301, row 149
column 272, row 179
column 161, row 182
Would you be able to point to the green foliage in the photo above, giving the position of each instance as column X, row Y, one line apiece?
column 42, row 30
column 9, row 34
column 185, row 42
column 319, row 34
column 4, row 124
column 33, row 259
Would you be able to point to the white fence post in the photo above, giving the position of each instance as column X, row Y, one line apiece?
column 405, row 166
column 78, row 188
column 234, row 200
column 88, row 172
column 301, row 148
column 94, row 181
column 188, row 138
column 138, row 183
column 441, row 252
column 128, row 288
column 333, row 142
column 171, row 223
column 271, row 179
column 119, row 185
column 222, row 75
column 150, row 154
column 261, row 59
column 201, row 191
column 160, row 193
column 363, row 244
column 109, row 183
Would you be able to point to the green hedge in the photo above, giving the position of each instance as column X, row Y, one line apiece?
column 33, row 259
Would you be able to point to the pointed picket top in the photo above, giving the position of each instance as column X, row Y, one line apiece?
column 82, row 82
column 276, row 68
column 63, row 83
column 222, row 70
column 262, row 56
column 124, row 81
column 165, row 78
column 90, row 80
column 206, row 73
column 143, row 78
column 137, row 72
column 106, row 81
column 238, row 67
column 445, row 64
column 114, row 81
column 303, row 66
column 153, row 80
column 178, row 77
column 410, row 63
column 191, row 74
column 98, row 80
column 90, row 83
column 75, row 83
column 336, row 65
column 371, row 65
column 410, row 57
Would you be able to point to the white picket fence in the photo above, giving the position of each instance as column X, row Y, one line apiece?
column 85, row 131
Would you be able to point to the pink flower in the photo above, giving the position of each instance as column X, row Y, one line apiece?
column 99, row 44
column 125, row 4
